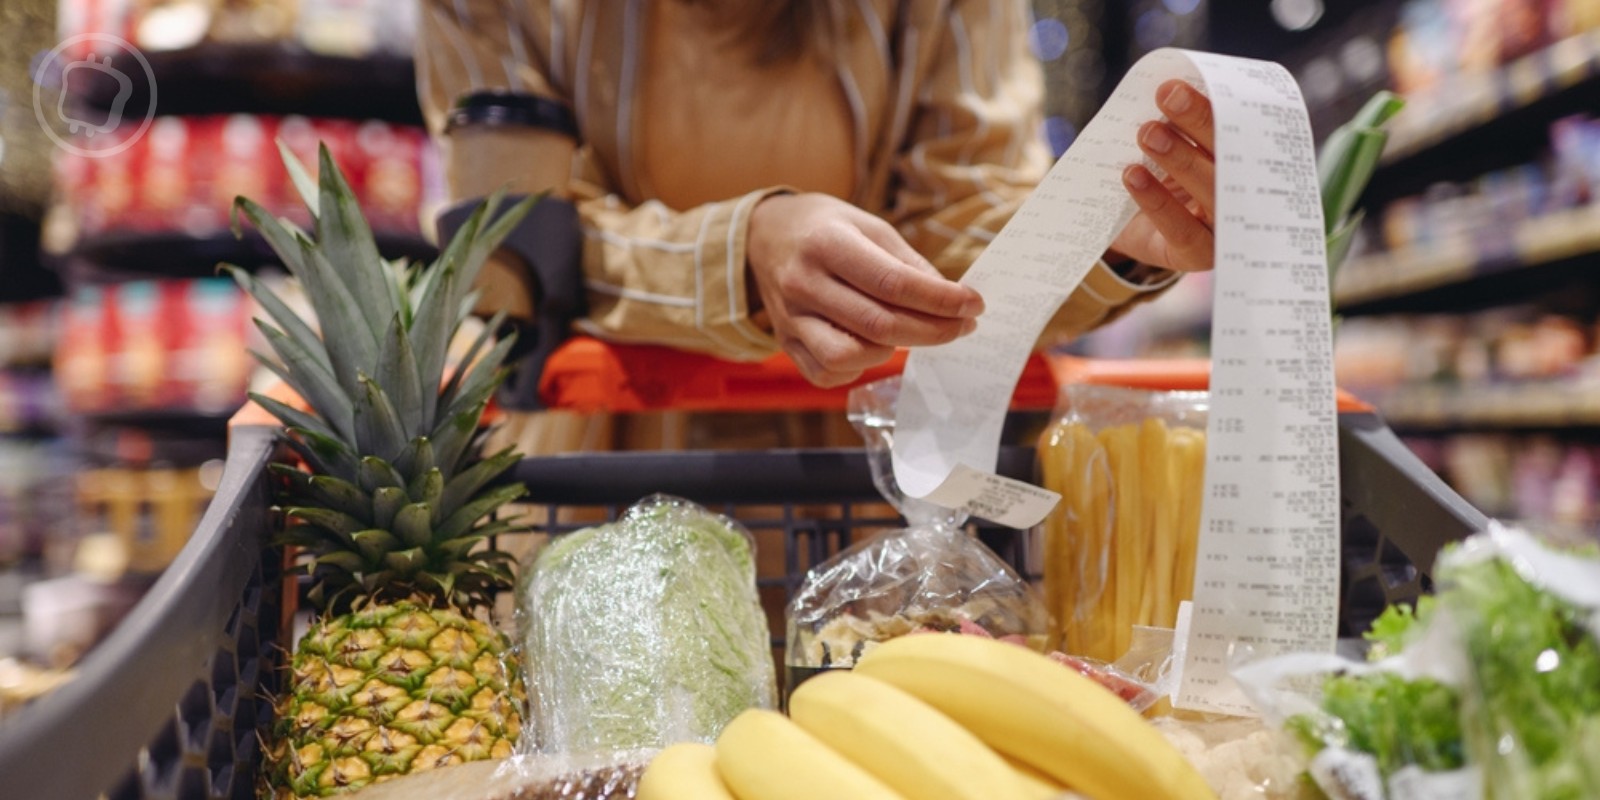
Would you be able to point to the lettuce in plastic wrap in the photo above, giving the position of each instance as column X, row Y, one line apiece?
column 644, row 632
column 1489, row 689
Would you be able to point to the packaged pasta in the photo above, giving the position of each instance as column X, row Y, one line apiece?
column 933, row 576
column 1119, row 549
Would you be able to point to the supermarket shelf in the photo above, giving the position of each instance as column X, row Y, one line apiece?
column 120, row 257
column 274, row 79
column 162, row 418
column 26, row 278
column 1498, row 116
column 1548, row 405
column 1462, row 273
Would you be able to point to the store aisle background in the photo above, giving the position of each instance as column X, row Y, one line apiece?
column 1469, row 308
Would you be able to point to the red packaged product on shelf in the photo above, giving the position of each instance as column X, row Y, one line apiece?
column 81, row 358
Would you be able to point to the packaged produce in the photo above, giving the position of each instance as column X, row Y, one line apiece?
column 1490, row 688
column 520, row 777
column 644, row 632
column 1119, row 550
column 930, row 576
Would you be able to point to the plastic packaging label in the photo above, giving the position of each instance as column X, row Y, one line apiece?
column 996, row 498
column 1268, row 568
column 1347, row 774
column 1411, row 783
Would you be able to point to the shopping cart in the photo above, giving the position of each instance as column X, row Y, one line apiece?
column 173, row 704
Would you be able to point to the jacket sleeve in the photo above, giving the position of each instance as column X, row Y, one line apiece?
column 652, row 274
column 974, row 151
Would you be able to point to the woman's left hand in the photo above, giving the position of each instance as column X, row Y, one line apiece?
column 1173, row 226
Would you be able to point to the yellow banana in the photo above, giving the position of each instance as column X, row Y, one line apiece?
column 1041, row 713
column 761, row 755
column 903, row 741
column 686, row 771
column 1040, row 786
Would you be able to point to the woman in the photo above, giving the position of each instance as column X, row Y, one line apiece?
column 797, row 175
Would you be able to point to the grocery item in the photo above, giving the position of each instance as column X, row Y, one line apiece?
column 932, row 575
column 684, row 770
column 517, row 778
column 171, row 345
column 644, row 632
column 1026, row 707
column 1490, row 688
column 761, row 755
column 1241, row 758
column 1119, row 550
column 183, row 175
column 397, row 673
column 901, row 740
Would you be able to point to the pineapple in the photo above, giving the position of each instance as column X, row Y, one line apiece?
column 397, row 673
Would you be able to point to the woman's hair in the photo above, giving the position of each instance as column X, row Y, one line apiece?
column 777, row 31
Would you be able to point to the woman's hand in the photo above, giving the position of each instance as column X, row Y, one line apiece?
column 842, row 289
column 1173, row 226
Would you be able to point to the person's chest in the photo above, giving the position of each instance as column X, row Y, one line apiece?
column 709, row 124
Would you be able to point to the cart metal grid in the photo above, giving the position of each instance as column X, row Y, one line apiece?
column 172, row 705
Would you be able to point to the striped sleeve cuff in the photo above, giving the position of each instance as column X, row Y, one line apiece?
column 722, row 311
column 1113, row 290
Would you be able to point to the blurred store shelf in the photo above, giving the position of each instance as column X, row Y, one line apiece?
column 1488, row 120
column 1544, row 405
column 275, row 78
column 1412, row 278
column 171, row 254
column 1469, row 102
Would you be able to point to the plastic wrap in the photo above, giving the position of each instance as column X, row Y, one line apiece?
column 521, row 777
column 1488, row 689
column 930, row 576
column 1119, row 550
column 644, row 632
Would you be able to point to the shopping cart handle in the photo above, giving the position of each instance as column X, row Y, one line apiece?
column 588, row 375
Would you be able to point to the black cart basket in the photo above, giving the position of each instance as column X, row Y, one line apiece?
column 174, row 703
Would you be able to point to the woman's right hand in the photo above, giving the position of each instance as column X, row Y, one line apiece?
column 842, row 289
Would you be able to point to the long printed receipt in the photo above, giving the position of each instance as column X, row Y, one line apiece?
column 1268, row 562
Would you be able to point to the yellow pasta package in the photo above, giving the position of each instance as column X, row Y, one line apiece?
column 1119, row 549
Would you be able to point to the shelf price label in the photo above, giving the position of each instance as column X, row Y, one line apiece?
column 1273, row 397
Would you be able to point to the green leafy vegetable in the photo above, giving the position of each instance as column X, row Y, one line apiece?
column 1395, row 628
column 1527, row 712
column 645, row 632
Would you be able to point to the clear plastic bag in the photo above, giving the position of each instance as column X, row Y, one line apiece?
column 521, row 777
column 930, row 576
column 643, row 632
column 1119, row 550
column 1488, row 689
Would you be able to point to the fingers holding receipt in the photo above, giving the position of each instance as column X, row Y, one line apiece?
column 1272, row 455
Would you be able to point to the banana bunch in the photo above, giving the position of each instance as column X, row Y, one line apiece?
column 1119, row 550
column 935, row 717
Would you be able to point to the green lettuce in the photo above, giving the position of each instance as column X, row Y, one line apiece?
column 644, row 632
column 1527, row 712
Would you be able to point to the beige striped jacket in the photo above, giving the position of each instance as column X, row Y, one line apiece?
column 944, row 99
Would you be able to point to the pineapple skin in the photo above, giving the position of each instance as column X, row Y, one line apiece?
column 392, row 689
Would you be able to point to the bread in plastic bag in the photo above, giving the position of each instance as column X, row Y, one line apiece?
column 644, row 632
column 1488, row 689
column 1119, row 550
column 930, row 576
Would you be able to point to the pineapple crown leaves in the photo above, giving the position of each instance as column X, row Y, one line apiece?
column 397, row 491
